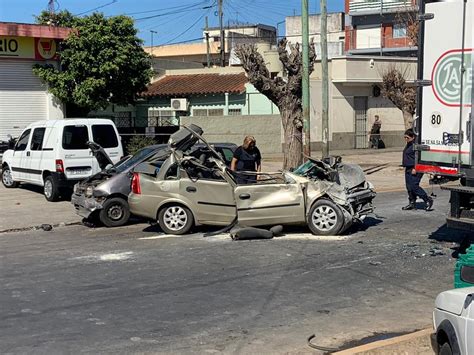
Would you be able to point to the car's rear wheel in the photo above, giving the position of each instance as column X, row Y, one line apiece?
column 51, row 189
column 115, row 212
column 175, row 219
column 325, row 218
column 7, row 178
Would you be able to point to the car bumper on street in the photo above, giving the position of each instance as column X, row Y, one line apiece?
column 85, row 206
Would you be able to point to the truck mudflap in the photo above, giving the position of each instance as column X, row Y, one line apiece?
column 461, row 213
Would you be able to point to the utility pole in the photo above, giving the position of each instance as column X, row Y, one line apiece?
column 152, row 32
column 208, row 55
column 305, row 79
column 325, row 78
column 222, row 50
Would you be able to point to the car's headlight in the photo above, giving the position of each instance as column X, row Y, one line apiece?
column 89, row 191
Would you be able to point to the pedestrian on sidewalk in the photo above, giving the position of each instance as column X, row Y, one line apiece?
column 375, row 141
column 412, row 178
column 247, row 157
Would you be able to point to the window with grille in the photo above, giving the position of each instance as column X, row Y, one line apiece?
column 216, row 112
column 158, row 118
column 235, row 112
column 200, row 112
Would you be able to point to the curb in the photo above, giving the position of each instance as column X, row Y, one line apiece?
column 387, row 342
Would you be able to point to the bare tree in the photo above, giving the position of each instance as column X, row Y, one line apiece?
column 396, row 89
column 285, row 93
column 407, row 18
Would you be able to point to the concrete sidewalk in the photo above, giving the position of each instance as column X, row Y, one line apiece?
column 26, row 206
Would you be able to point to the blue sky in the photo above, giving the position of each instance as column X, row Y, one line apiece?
column 173, row 21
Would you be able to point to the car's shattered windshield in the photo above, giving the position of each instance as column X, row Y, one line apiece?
column 129, row 163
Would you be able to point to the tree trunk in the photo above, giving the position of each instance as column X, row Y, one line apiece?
column 407, row 119
column 293, row 144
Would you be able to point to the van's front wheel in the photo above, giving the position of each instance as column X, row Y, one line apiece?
column 7, row 178
column 51, row 189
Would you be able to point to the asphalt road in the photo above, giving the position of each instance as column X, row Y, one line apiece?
column 132, row 290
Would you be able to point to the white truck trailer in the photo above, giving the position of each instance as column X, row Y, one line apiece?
column 444, row 102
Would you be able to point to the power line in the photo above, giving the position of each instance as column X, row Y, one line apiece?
column 165, row 8
column 97, row 8
column 186, row 30
column 173, row 12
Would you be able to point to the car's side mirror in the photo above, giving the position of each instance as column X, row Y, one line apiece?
column 145, row 168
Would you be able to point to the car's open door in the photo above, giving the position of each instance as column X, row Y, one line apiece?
column 270, row 203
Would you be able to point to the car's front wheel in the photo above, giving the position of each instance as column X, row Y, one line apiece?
column 7, row 178
column 325, row 218
column 115, row 212
column 175, row 219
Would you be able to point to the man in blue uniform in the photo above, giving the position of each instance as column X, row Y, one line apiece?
column 412, row 178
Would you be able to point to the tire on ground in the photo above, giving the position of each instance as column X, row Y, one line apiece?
column 175, row 219
column 325, row 218
column 7, row 178
column 115, row 212
column 51, row 189
column 445, row 349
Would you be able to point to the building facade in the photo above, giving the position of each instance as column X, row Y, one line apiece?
column 23, row 97
column 233, row 35
column 336, row 32
column 381, row 27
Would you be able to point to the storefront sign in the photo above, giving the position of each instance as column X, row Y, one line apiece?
column 27, row 48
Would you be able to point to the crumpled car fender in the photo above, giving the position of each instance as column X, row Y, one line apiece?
column 316, row 189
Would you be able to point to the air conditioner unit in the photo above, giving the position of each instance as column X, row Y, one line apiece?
column 179, row 104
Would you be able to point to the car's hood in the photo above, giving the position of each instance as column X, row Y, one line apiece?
column 452, row 301
column 100, row 154
column 346, row 175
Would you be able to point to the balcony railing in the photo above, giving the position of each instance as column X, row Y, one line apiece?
column 363, row 42
column 374, row 6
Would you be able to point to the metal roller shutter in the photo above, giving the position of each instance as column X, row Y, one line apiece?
column 23, row 97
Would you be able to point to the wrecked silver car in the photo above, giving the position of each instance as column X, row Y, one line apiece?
column 105, row 195
column 185, row 191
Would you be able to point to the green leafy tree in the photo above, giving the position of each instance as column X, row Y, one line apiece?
column 101, row 62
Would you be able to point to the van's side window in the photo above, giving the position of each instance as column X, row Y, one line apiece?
column 23, row 140
column 104, row 135
column 75, row 137
column 37, row 139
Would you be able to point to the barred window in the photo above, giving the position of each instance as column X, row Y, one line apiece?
column 200, row 112
column 157, row 118
column 235, row 112
column 216, row 112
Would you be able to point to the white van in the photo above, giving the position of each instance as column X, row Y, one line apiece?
column 54, row 153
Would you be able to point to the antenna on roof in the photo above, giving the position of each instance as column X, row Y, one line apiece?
column 51, row 7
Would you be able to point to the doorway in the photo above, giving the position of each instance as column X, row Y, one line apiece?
column 360, row 112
